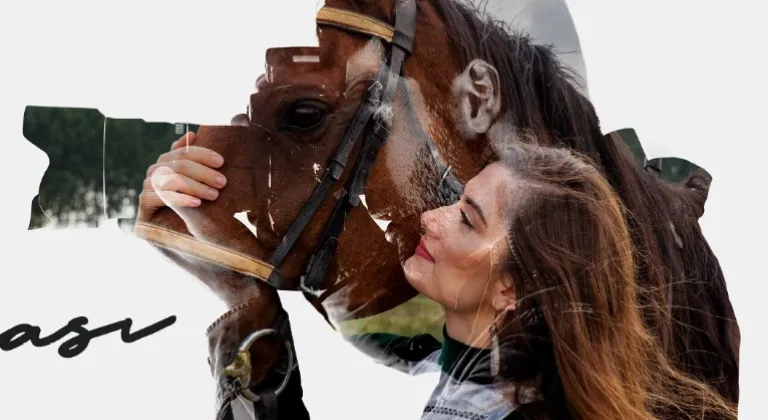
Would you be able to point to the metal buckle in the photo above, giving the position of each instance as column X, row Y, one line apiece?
column 241, row 367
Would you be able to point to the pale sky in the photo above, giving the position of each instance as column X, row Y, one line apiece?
column 549, row 22
column 688, row 75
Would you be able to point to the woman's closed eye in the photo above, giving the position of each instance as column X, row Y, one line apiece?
column 465, row 219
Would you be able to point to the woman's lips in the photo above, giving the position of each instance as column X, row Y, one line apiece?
column 422, row 251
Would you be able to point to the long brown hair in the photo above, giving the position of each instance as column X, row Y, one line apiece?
column 577, row 335
column 688, row 306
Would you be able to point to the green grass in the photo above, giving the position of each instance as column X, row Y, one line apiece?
column 416, row 316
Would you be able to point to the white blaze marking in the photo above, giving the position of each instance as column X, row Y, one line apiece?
column 269, row 213
column 382, row 224
column 243, row 218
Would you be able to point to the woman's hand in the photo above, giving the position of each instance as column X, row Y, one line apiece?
column 181, row 177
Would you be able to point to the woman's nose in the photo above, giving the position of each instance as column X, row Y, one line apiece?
column 430, row 223
column 425, row 222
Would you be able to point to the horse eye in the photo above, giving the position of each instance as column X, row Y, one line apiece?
column 304, row 116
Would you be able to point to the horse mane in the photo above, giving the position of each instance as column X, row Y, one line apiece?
column 687, row 303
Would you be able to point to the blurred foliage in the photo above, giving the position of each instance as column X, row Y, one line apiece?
column 629, row 137
column 96, row 164
column 94, row 159
column 671, row 169
column 419, row 315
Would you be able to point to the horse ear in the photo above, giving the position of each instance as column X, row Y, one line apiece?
column 478, row 96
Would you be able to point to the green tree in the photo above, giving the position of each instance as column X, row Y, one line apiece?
column 97, row 164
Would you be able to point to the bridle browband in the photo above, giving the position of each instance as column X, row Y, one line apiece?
column 373, row 122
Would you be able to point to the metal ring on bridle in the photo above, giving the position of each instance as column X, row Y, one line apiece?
column 240, row 368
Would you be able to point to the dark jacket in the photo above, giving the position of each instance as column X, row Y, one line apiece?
column 466, row 389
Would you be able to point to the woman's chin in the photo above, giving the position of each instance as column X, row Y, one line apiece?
column 414, row 271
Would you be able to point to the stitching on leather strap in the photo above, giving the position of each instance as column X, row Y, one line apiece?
column 454, row 412
column 229, row 313
column 191, row 239
column 353, row 21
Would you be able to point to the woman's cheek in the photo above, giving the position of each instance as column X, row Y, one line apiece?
column 468, row 258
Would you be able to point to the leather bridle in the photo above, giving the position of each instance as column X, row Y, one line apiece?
column 372, row 123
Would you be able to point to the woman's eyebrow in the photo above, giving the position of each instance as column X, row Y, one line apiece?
column 474, row 205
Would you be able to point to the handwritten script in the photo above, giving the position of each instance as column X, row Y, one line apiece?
column 16, row 336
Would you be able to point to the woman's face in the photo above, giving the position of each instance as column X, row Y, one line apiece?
column 464, row 246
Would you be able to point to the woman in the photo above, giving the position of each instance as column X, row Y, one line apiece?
column 534, row 269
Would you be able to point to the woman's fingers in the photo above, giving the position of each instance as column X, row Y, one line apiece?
column 191, row 161
column 194, row 153
column 182, row 177
column 192, row 170
column 185, row 140
column 166, row 182
column 174, row 199
column 168, row 188
column 150, row 200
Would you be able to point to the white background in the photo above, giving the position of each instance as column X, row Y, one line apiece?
column 687, row 75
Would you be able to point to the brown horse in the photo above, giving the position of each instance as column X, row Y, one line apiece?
column 427, row 91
